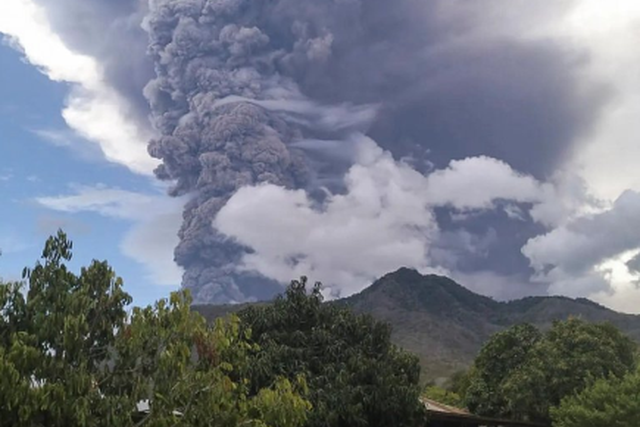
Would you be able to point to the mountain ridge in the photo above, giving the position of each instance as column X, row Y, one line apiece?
column 445, row 324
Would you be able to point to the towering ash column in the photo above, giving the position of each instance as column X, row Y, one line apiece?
column 210, row 144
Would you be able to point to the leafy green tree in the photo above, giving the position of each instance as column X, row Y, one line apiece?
column 521, row 374
column 573, row 355
column 356, row 377
column 71, row 355
column 606, row 403
column 504, row 353
column 459, row 383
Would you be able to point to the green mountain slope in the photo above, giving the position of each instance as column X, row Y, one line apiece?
column 445, row 324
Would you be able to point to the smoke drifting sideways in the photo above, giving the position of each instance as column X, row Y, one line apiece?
column 273, row 91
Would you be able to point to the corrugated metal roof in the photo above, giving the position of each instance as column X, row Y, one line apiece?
column 440, row 411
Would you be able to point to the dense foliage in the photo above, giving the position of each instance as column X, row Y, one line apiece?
column 459, row 383
column 521, row 373
column 71, row 355
column 498, row 360
column 356, row 377
column 607, row 403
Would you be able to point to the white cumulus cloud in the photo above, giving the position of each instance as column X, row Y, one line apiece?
column 477, row 182
column 381, row 223
column 93, row 110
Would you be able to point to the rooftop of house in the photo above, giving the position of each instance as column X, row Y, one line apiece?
column 445, row 415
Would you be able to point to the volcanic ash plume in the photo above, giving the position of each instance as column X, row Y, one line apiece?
column 212, row 74
column 248, row 92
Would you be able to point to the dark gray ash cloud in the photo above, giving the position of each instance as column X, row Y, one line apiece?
column 243, row 92
column 634, row 264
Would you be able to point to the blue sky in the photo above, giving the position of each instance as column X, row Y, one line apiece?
column 41, row 157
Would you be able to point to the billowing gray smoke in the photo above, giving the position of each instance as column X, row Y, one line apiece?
column 212, row 149
column 213, row 153
column 218, row 61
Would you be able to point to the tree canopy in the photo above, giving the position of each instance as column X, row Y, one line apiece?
column 606, row 403
column 71, row 355
column 356, row 377
column 521, row 373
